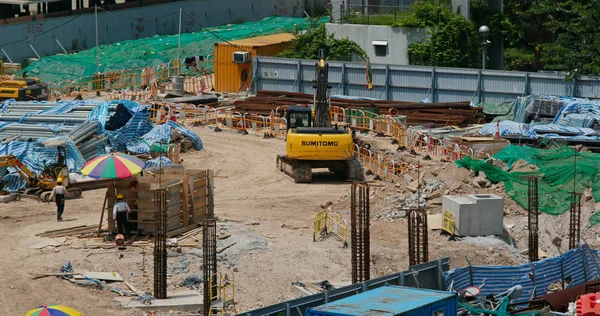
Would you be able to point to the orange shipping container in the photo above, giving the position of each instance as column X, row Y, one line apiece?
column 235, row 77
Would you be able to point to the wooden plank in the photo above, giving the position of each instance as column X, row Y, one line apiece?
column 211, row 201
column 186, row 205
column 191, row 199
column 181, row 230
column 103, row 209
column 199, row 184
column 223, row 248
column 102, row 276
column 200, row 203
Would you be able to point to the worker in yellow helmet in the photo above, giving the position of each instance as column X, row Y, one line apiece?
column 58, row 194
column 120, row 214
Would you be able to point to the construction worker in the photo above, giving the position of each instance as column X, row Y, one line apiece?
column 120, row 214
column 58, row 193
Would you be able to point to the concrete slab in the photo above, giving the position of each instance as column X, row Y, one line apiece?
column 180, row 300
column 8, row 198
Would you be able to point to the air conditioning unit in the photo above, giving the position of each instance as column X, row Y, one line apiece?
column 240, row 57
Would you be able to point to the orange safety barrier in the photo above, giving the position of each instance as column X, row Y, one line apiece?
column 275, row 125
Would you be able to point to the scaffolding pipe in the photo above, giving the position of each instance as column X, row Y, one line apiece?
column 40, row 118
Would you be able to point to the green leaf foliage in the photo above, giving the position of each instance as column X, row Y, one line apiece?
column 576, row 47
column 452, row 41
column 307, row 45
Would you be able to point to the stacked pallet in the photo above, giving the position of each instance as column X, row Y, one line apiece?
column 442, row 113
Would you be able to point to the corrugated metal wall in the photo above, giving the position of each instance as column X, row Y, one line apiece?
column 415, row 83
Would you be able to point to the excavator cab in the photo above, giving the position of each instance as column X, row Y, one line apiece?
column 298, row 116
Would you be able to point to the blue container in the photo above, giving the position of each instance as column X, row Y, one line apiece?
column 392, row 301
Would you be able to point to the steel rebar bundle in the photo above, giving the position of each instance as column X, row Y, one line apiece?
column 361, row 243
column 160, row 243
column 532, row 219
column 209, row 267
column 575, row 220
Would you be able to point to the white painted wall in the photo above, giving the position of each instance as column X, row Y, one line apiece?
column 398, row 39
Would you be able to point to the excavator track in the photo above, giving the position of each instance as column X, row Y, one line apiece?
column 300, row 172
column 74, row 193
column 355, row 170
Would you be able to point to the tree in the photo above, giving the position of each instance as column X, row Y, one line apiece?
column 576, row 47
column 452, row 40
column 307, row 45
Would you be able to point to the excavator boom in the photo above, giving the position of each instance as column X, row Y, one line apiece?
column 312, row 143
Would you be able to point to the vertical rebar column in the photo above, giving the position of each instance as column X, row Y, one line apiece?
column 160, row 244
column 532, row 220
column 209, row 264
column 418, row 243
column 360, row 244
column 575, row 220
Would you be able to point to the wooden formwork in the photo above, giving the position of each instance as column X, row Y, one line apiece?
column 189, row 193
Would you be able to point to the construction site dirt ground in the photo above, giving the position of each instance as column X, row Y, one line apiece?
column 270, row 219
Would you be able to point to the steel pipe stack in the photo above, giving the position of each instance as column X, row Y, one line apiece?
column 45, row 119
column 83, row 131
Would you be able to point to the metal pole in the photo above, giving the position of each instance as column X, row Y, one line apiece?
column 483, row 60
column 179, row 42
column 5, row 54
column 97, row 58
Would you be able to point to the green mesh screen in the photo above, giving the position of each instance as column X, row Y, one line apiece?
column 156, row 50
column 556, row 170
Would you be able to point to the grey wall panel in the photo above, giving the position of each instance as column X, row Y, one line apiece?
column 408, row 94
column 500, row 81
column 414, row 83
column 133, row 23
column 588, row 86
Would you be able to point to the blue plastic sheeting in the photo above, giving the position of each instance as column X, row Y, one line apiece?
column 162, row 134
column 158, row 161
column 578, row 263
column 4, row 105
column 191, row 135
column 529, row 130
column 35, row 157
column 13, row 182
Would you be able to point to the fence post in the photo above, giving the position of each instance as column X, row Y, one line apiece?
column 387, row 82
column 256, row 75
column 433, row 87
column 299, row 75
column 527, row 85
column 574, row 92
column 344, row 78
column 479, row 86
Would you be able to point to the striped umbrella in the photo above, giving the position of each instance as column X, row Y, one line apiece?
column 113, row 166
column 53, row 310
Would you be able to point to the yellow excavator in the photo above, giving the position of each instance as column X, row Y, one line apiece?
column 312, row 142
column 23, row 89
column 46, row 181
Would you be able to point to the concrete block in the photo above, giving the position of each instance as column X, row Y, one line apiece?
column 8, row 198
column 476, row 214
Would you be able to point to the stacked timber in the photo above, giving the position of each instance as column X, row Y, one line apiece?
column 441, row 113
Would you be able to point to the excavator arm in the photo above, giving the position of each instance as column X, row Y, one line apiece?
column 22, row 170
column 321, row 92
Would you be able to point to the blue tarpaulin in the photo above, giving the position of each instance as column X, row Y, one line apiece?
column 581, row 264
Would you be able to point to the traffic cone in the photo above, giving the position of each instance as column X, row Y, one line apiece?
column 497, row 134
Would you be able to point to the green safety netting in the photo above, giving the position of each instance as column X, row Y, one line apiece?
column 555, row 169
column 160, row 49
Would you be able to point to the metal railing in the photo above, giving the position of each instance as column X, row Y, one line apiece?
column 389, row 13
column 429, row 275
